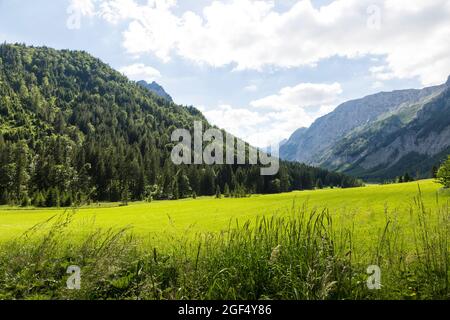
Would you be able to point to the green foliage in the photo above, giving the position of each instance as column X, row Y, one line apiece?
column 38, row 200
column 404, row 178
column 319, row 184
column 443, row 174
column 218, row 193
column 53, row 198
column 226, row 191
column 275, row 186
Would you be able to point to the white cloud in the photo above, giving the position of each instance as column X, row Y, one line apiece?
column 412, row 35
column 140, row 71
column 236, row 120
column 117, row 10
column 275, row 117
column 377, row 85
column 251, row 88
column 83, row 7
column 302, row 95
column 251, row 126
column 382, row 73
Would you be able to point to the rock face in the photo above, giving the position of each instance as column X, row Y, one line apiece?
column 156, row 89
column 380, row 136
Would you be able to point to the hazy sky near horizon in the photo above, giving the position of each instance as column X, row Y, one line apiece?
column 260, row 69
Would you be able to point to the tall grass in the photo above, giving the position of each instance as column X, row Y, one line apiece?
column 305, row 255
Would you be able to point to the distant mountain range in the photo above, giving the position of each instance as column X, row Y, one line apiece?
column 380, row 136
column 156, row 89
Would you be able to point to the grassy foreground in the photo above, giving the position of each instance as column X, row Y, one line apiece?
column 305, row 245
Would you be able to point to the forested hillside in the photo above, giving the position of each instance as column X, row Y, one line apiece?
column 73, row 129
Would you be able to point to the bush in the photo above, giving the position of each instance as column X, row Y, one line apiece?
column 443, row 174
column 38, row 200
column 53, row 198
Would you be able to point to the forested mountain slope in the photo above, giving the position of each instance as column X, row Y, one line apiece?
column 72, row 129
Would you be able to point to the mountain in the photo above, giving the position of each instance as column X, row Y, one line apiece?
column 268, row 149
column 380, row 136
column 156, row 89
column 72, row 130
column 288, row 149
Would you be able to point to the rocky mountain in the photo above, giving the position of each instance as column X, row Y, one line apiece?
column 156, row 89
column 380, row 136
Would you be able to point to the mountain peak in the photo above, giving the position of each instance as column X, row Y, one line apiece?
column 364, row 136
column 156, row 89
column 448, row 81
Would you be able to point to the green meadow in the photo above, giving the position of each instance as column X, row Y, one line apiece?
column 312, row 245
column 366, row 206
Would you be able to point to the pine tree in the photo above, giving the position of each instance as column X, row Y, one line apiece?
column 319, row 184
column 434, row 172
column 25, row 201
column 125, row 195
column 53, row 199
column 184, row 186
column 226, row 191
column 218, row 193
column 407, row 177
column 21, row 176
column 176, row 190
column 443, row 174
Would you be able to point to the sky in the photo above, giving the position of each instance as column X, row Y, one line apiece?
column 258, row 68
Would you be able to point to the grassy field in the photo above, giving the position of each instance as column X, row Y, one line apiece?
column 366, row 206
column 301, row 245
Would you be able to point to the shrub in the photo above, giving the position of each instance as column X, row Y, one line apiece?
column 443, row 174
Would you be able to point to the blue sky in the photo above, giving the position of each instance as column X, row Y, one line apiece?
column 260, row 69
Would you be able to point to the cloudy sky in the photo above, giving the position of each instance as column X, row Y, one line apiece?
column 258, row 68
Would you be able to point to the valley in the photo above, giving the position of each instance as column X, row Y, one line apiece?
column 161, row 219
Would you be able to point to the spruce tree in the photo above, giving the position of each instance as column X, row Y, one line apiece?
column 218, row 193
column 226, row 191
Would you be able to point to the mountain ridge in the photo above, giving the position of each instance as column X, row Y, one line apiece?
column 156, row 88
column 347, row 139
